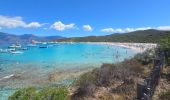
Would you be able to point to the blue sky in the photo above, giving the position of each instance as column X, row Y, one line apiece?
column 71, row 18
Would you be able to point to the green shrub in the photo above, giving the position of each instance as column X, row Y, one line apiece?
column 145, row 57
column 164, row 46
column 86, row 85
column 50, row 93
column 89, row 76
column 110, row 74
column 25, row 94
column 85, row 89
column 104, row 75
column 165, row 95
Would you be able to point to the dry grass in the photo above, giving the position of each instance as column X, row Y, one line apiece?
column 113, row 82
column 162, row 91
column 108, row 76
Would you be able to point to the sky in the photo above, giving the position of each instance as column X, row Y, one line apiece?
column 74, row 18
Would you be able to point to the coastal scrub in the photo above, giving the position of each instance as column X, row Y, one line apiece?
column 48, row 93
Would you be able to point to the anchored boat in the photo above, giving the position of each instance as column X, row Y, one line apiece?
column 17, row 52
column 15, row 46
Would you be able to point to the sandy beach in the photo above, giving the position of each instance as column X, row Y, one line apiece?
column 139, row 47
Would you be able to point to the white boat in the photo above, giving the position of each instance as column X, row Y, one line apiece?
column 15, row 46
column 31, row 45
column 24, row 49
column 11, row 49
column 4, row 50
column 44, row 43
column 50, row 45
column 17, row 52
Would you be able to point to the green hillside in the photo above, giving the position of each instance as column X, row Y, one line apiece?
column 136, row 36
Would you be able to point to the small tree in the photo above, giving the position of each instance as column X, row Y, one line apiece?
column 164, row 46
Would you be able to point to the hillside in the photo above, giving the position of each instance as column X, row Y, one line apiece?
column 9, row 38
column 136, row 36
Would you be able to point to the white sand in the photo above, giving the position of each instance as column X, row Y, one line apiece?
column 139, row 47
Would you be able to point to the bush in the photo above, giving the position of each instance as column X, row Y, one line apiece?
column 85, row 89
column 165, row 95
column 127, row 87
column 133, row 66
column 164, row 46
column 110, row 74
column 89, row 76
column 145, row 57
column 86, row 85
column 104, row 75
column 50, row 93
column 25, row 94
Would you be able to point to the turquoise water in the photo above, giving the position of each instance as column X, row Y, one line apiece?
column 36, row 63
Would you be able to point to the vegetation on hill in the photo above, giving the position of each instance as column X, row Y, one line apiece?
column 164, row 88
column 50, row 93
column 164, row 45
column 114, row 81
column 143, row 36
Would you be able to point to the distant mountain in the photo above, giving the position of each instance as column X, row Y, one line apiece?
column 10, row 38
column 136, row 36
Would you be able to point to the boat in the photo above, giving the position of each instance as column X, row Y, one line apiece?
column 24, row 49
column 17, row 52
column 15, row 46
column 50, row 45
column 44, row 43
column 43, row 46
column 4, row 50
column 11, row 49
column 31, row 45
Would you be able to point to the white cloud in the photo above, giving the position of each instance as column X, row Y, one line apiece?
column 119, row 30
column 61, row 27
column 164, row 28
column 87, row 28
column 11, row 22
column 14, row 22
column 108, row 30
column 34, row 25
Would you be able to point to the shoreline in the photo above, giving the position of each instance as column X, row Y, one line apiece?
column 138, row 47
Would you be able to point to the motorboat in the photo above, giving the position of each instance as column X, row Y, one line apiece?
column 31, row 45
column 43, row 46
column 23, row 48
column 17, row 52
column 50, row 45
column 44, row 43
column 3, row 50
column 15, row 46
column 11, row 49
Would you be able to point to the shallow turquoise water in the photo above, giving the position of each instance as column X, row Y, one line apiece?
column 38, row 62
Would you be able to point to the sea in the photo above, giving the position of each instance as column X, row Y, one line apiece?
column 61, row 61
